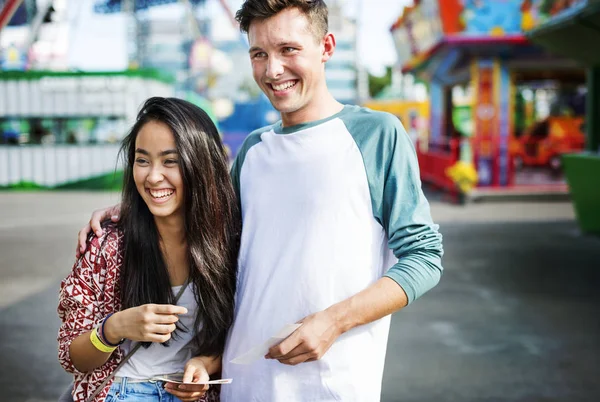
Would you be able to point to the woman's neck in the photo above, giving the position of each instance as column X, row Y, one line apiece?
column 174, row 248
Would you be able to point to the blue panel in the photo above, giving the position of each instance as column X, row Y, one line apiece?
column 20, row 17
column 248, row 116
column 436, row 102
column 115, row 6
column 504, row 122
column 445, row 65
column 484, row 172
column 489, row 16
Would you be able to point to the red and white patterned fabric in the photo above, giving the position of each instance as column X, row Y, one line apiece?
column 88, row 294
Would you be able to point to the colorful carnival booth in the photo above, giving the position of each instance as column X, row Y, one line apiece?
column 62, row 129
column 526, row 105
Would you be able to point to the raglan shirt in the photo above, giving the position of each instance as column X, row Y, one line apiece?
column 328, row 208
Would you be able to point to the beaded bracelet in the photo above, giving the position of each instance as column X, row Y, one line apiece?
column 104, row 339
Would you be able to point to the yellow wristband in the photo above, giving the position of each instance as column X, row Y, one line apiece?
column 98, row 344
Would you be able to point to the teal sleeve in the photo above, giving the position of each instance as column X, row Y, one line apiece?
column 398, row 202
column 235, row 172
column 236, row 169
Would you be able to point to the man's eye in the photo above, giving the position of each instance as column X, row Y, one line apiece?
column 259, row 55
column 289, row 49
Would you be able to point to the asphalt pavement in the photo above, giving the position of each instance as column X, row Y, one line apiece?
column 516, row 316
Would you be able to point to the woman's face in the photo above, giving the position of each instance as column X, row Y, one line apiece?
column 156, row 170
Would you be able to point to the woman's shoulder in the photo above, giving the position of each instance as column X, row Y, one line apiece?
column 111, row 231
column 110, row 240
column 98, row 263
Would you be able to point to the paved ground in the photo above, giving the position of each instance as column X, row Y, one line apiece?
column 515, row 318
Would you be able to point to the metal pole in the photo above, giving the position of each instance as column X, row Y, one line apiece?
column 362, row 80
column 593, row 108
column 36, row 24
column 230, row 14
column 133, row 33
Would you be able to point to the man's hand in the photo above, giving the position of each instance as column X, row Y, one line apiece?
column 94, row 224
column 318, row 331
column 195, row 371
column 146, row 323
column 309, row 342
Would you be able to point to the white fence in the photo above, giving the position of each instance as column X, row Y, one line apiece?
column 54, row 165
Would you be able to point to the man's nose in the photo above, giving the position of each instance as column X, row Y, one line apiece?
column 274, row 68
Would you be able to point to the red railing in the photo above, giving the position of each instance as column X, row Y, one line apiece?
column 434, row 162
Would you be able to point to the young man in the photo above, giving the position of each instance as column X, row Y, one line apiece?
column 326, row 194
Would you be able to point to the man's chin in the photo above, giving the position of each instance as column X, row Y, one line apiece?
column 284, row 107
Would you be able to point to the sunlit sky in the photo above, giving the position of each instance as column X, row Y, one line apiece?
column 98, row 41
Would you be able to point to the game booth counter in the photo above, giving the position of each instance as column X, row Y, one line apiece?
column 62, row 130
column 521, row 106
column 575, row 33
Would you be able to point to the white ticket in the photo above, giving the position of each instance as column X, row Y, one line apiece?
column 259, row 352
column 178, row 379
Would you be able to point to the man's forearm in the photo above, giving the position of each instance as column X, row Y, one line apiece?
column 382, row 298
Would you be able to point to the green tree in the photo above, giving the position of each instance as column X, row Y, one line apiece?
column 376, row 84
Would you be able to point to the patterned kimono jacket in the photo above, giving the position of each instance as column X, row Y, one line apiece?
column 88, row 294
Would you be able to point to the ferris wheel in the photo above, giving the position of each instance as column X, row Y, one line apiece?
column 37, row 15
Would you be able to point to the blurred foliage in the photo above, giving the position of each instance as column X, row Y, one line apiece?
column 23, row 186
column 106, row 182
column 376, row 84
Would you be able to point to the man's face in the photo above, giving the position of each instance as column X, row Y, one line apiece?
column 287, row 60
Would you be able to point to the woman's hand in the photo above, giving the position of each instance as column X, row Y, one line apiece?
column 195, row 371
column 146, row 323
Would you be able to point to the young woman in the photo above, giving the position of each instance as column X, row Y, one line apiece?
column 178, row 233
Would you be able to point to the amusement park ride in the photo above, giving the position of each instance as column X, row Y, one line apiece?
column 42, row 10
column 526, row 104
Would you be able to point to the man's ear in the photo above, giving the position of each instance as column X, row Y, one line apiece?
column 328, row 47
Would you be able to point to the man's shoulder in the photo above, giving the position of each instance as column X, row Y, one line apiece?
column 255, row 137
column 262, row 130
column 361, row 121
column 251, row 139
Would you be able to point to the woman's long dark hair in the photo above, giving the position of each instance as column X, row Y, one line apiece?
column 211, row 218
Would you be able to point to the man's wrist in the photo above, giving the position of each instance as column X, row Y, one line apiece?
column 341, row 316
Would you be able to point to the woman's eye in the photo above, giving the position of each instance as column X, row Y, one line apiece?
column 171, row 162
column 141, row 161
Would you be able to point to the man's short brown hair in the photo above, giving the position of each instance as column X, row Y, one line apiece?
column 315, row 11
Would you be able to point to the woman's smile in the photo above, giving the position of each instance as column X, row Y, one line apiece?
column 160, row 196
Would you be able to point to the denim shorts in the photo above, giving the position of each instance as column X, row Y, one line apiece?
column 147, row 391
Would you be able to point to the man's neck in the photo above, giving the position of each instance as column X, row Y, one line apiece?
column 322, row 107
